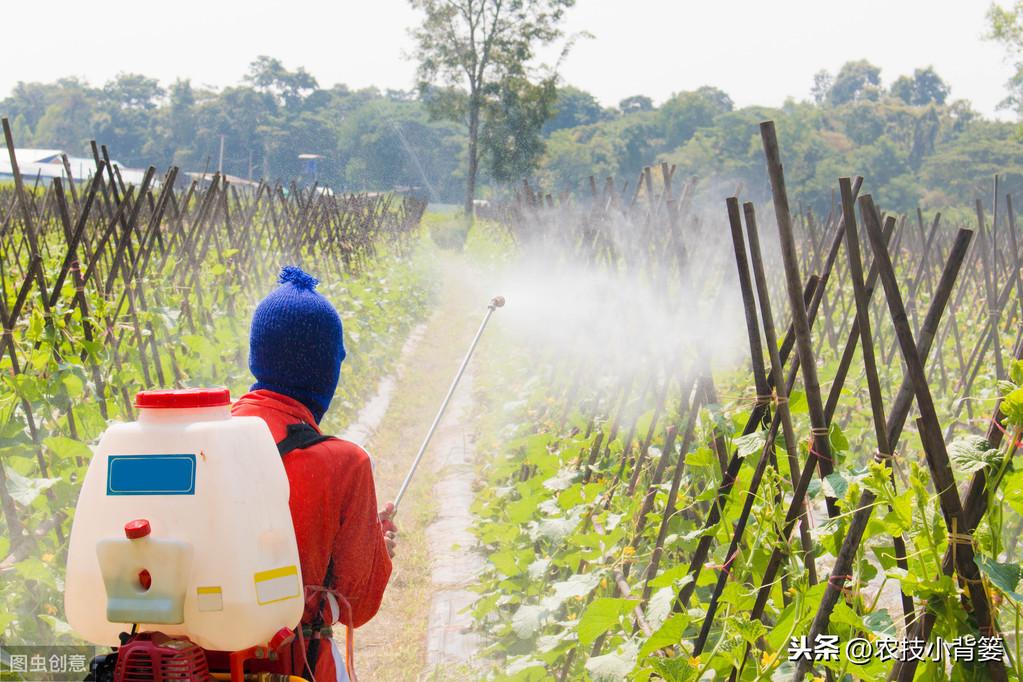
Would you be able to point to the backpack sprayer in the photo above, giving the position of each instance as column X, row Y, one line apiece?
column 495, row 303
column 183, row 525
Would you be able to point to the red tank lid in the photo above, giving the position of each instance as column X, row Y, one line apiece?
column 139, row 528
column 183, row 398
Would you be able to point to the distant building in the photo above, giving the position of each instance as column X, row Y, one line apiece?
column 205, row 179
column 46, row 164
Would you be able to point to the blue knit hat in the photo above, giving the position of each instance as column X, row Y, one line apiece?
column 296, row 344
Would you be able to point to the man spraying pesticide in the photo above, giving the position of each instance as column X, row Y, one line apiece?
column 194, row 535
column 345, row 546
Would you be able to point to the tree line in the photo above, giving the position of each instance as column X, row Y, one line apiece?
column 911, row 139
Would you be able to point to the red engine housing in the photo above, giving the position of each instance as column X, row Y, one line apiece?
column 155, row 657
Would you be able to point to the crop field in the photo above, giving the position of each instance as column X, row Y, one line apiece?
column 656, row 514
column 108, row 289
column 710, row 431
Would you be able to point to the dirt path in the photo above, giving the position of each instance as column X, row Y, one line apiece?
column 394, row 645
column 452, row 647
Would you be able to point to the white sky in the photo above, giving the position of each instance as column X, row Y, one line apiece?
column 758, row 51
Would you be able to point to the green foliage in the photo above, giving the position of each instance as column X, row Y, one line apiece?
column 369, row 140
column 913, row 145
column 855, row 80
column 573, row 107
column 684, row 113
column 925, row 87
column 514, row 114
column 912, row 142
column 1006, row 27
column 68, row 381
column 483, row 48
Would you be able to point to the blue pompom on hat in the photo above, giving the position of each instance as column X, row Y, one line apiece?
column 296, row 343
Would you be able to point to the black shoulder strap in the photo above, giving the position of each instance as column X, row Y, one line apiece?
column 313, row 651
column 300, row 435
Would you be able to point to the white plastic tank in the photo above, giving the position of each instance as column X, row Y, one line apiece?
column 183, row 526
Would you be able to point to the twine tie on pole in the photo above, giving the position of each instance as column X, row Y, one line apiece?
column 816, row 453
column 727, row 566
column 1015, row 441
column 955, row 538
column 771, row 399
column 838, row 582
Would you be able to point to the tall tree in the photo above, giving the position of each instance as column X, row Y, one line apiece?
column 855, row 80
column 822, row 82
column 685, row 112
column 512, row 142
column 574, row 107
column 1006, row 27
column 634, row 103
column 924, row 87
column 477, row 44
column 269, row 75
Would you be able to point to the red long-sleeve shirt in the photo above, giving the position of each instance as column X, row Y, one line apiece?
column 333, row 506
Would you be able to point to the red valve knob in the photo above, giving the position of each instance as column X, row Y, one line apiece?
column 139, row 528
column 281, row 638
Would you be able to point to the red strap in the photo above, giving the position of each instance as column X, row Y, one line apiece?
column 349, row 630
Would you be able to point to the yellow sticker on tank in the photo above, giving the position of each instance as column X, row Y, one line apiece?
column 209, row 598
column 277, row 584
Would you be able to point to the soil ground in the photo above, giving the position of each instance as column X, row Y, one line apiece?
column 429, row 569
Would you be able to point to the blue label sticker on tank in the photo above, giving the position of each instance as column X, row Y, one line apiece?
column 151, row 475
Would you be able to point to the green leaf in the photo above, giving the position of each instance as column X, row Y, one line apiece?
column 675, row 669
column 526, row 669
column 538, row 569
column 672, row 575
column 90, row 421
column 839, row 442
column 13, row 433
column 34, row 569
column 750, row 629
column 1016, row 372
column 669, row 634
column 1012, row 489
column 614, row 666
column 880, row 623
column 528, row 619
column 67, row 448
column 660, row 605
column 25, row 490
column 576, row 586
column 73, row 384
column 701, row 457
column 1005, row 577
column 750, row 444
column 1012, row 407
column 835, row 485
column 555, row 529
column 40, row 357
column 970, row 454
column 511, row 562
column 797, row 403
column 523, row 510
column 601, row 615
column 843, row 615
column 58, row 626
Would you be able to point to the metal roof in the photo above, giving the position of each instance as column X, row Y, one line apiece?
column 47, row 164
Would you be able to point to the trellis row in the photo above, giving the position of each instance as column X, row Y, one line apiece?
column 649, row 232
column 138, row 253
